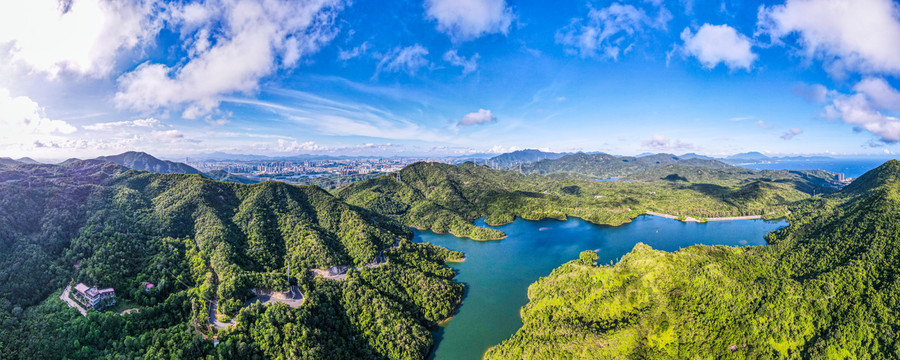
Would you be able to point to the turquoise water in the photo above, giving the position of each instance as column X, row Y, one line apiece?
column 497, row 273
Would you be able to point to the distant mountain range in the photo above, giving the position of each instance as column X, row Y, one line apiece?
column 757, row 157
column 518, row 159
column 10, row 161
column 512, row 159
column 146, row 162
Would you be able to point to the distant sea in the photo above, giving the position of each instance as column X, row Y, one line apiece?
column 849, row 167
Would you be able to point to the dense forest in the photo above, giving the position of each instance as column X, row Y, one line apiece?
column 447, row 198
column 200, row 240
column 825, row 287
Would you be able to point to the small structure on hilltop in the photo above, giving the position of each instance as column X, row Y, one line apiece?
column 147, row 286
column 93, row 297
column 338, row 270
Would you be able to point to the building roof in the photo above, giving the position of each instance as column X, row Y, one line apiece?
column 82, row 288
column 106, row 291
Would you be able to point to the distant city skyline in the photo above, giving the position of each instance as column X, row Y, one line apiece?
column 85, row 78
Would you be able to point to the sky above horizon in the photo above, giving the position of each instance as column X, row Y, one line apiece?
column 82, row 78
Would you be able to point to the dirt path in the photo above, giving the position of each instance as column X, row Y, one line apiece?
column 65, row 297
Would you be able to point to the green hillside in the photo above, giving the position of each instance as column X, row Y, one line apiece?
column 447, row 198
column 602, row 165
column 825, row 287
column 199, row 240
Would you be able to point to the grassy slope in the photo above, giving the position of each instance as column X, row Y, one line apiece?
column 826, row 287
column 446, row 198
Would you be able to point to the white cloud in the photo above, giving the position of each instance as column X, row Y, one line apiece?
column 856, row 35
column 167, row 135
column 358, row 51
column 714, row 44
column 500, row 149
column 741, row 118
column 82, row 36
column 763, row 125
column 23, row 122
column 791, row 133
column 253, row 39
column 337, row 118
column 866, row 109
column 659, row 142
column 295, row 146
column 880, row 93
column 482, row 116
column 408, row 59
column 469, row 65
column 605, row 31
column 469, row 19
column 115, row 125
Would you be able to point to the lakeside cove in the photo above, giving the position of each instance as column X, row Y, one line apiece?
column 497, row 274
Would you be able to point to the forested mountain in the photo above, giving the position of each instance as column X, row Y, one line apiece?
column 222, row 175
column 447, row 198
column 602, row 165
column 143, row 161
column 825, row 288
column 513, row 159
column 146, row 162
column 5, row 161
column 199, row 240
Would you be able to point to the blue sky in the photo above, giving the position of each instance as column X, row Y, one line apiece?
column 448, row 77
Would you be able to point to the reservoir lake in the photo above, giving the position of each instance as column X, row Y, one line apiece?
column 497, row 273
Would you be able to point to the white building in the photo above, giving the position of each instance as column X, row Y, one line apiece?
column 93, row 297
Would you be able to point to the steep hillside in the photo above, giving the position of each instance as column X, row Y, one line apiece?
column 825, row 287
column 201, row 240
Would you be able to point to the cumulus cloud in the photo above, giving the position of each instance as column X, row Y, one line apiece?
column 407, row 59
column 880, row 93
column 659, row 142
column 465, row 20
column 23, row 121
column 116, row 125
column 81, row 36
column 868, row 109
column 296, row 146
column 715, row 44
column 468, row 64
column 856, row 35
column 482, row 116
column 605, row 31
column 791, row 133
column 235, row 44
